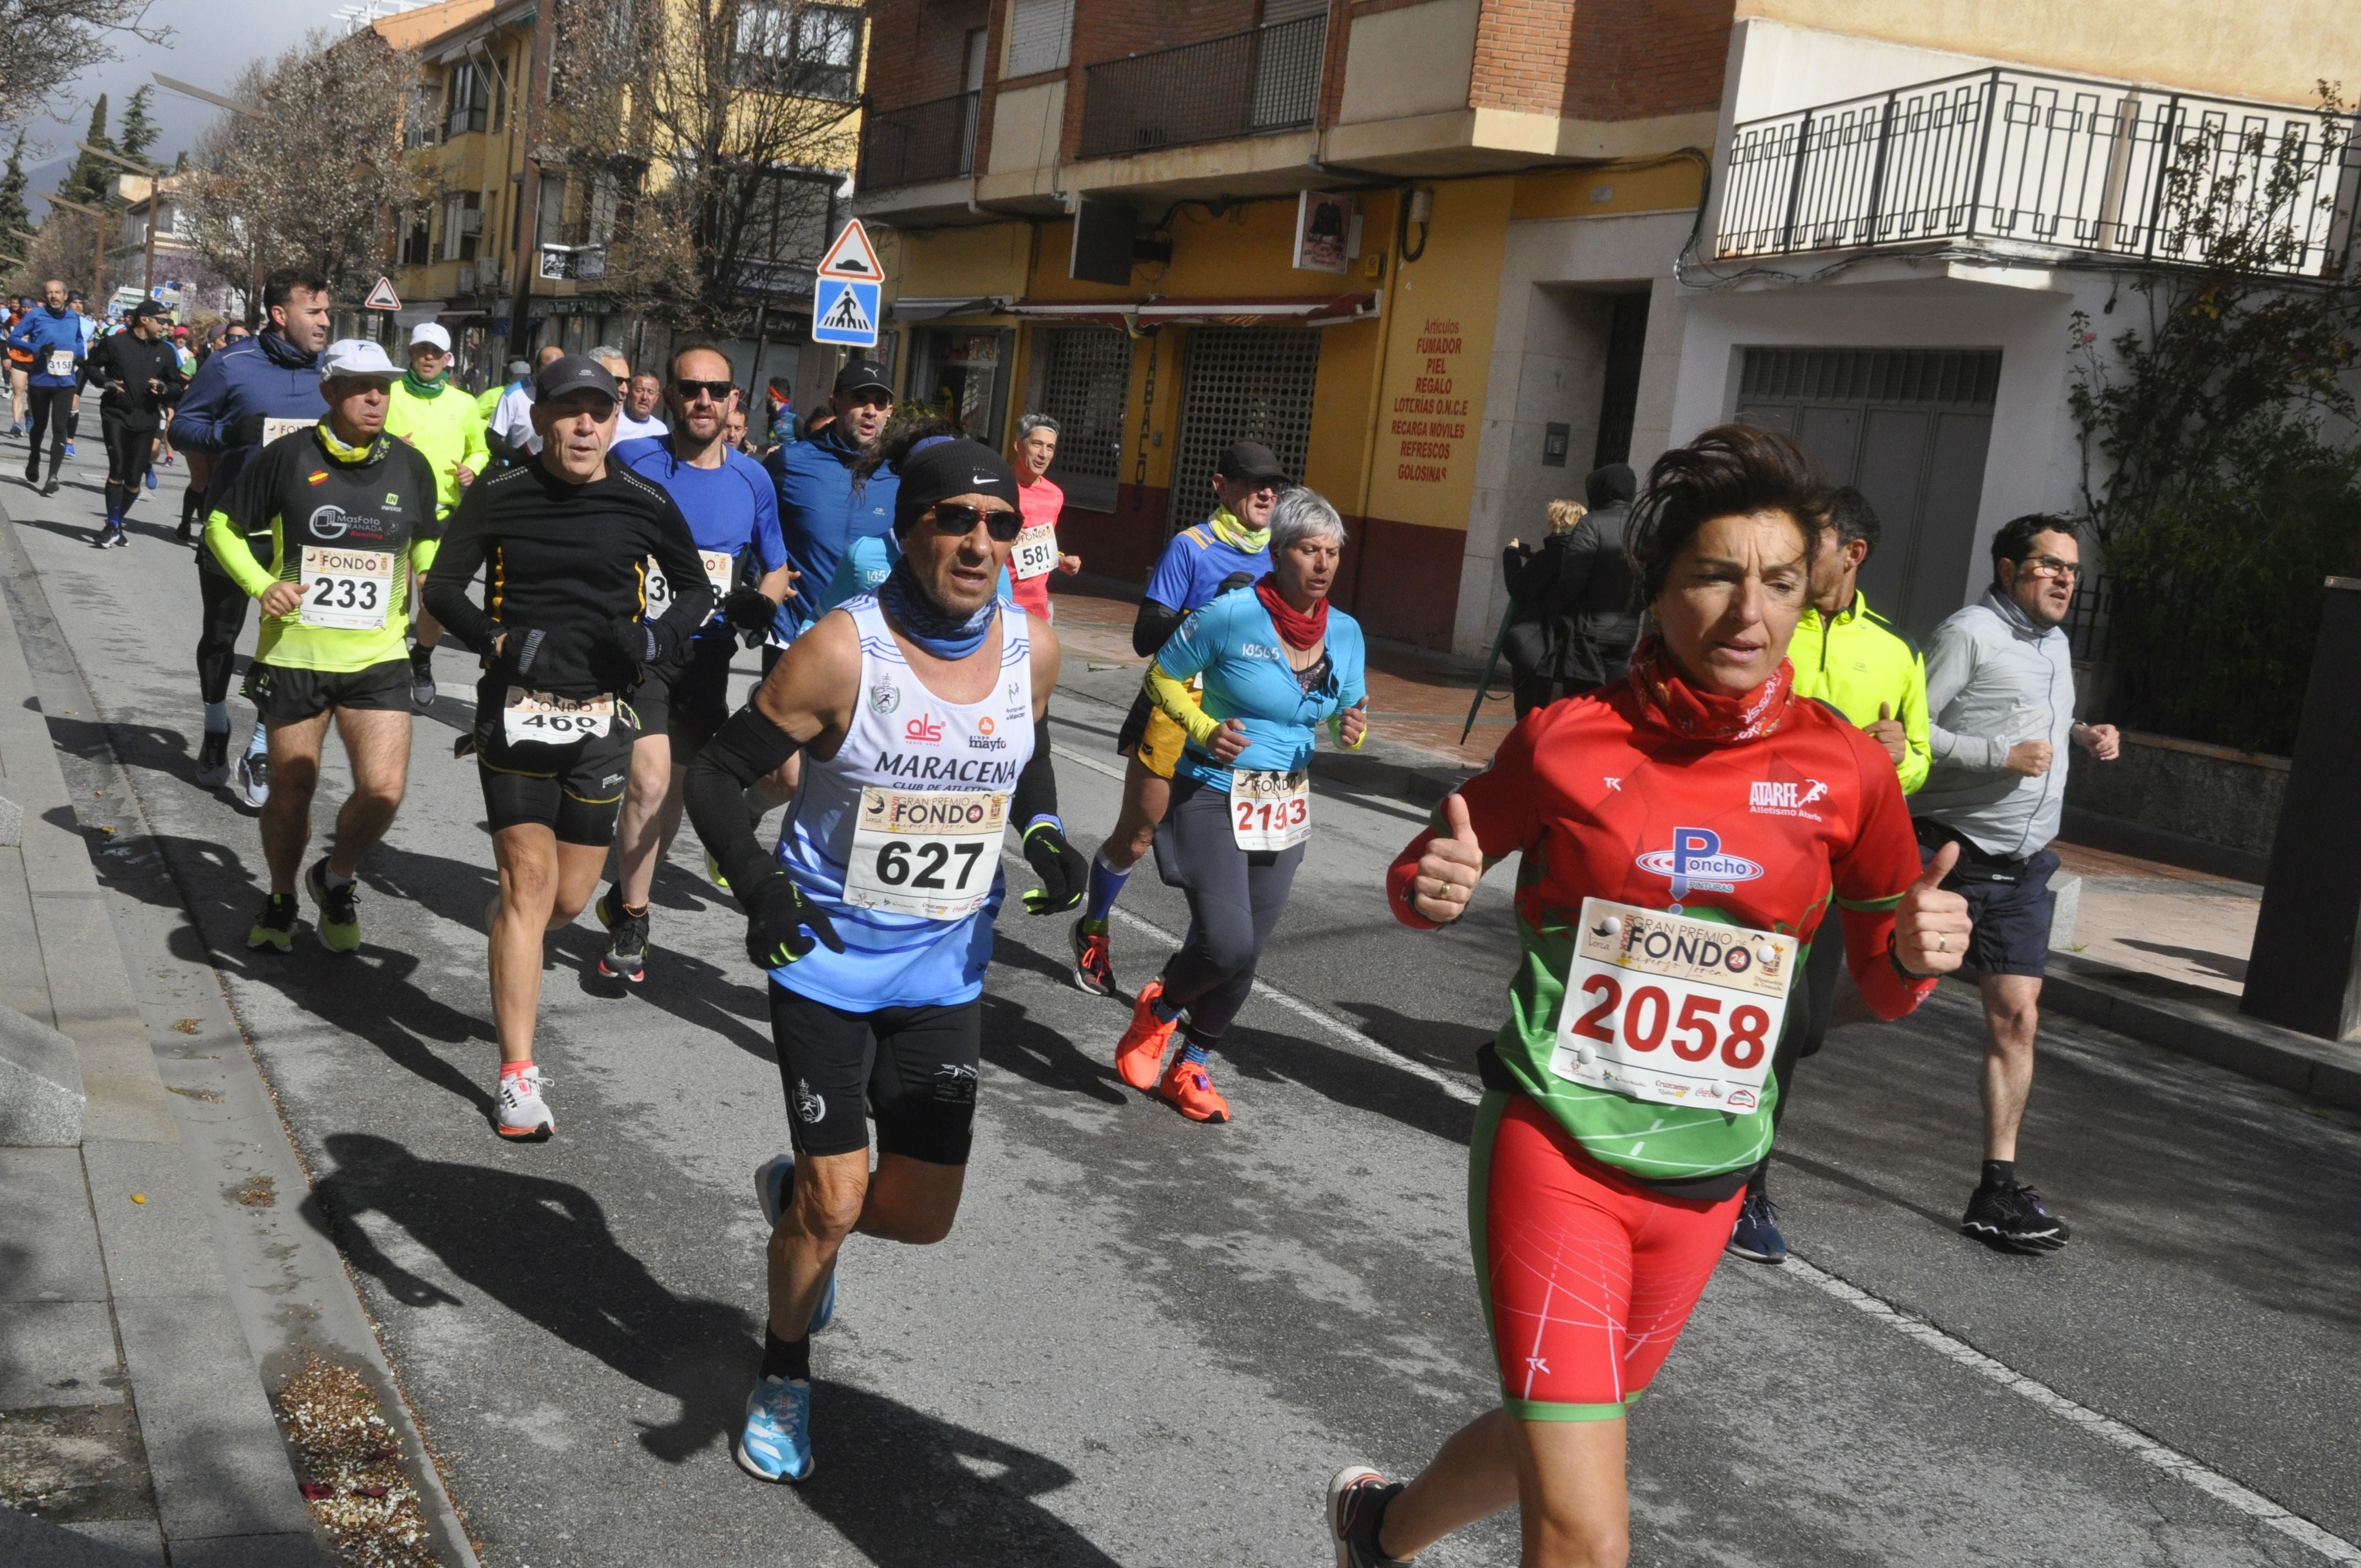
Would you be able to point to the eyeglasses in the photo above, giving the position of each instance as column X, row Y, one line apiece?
column 956, row 519
column 2051, row 566
column 718, row 391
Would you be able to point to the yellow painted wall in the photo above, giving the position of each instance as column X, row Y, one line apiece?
column 2275, row 52
column 985, row 259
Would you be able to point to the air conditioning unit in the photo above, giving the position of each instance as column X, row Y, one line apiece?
column 466, row 281
column 471, row 221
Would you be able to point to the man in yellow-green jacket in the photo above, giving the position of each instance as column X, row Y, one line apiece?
column 443, row 423
column 1853, row 659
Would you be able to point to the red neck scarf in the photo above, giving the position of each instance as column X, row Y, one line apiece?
column 1708, row 716
column 1297, row 630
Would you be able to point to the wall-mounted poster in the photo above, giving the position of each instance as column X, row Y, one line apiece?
column 1324, row 226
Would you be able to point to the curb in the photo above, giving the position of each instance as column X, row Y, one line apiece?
column 2193, row 1022
column 40, row 1085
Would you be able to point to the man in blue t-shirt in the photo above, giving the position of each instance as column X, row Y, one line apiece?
column 1229, row 550
column 733, row 511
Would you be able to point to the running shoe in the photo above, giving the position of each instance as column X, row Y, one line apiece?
column 213, row 759
column 1093, row 960
column 151, row 476
column 50, row 489
column 1189, row 1089
column 2013, row 1217
column 776, row 1445
column 68, row 448
column 626, row 957
column 713, row 873
column 1357, row 1507
column 1756, row 1237
column 182, row 533
column 524, row 1114
column 111, row 537
column 340, row 916
column 275, row 926
column 421, row 677
column 254, row 779
column 1141, row 1050
column 773, row 1179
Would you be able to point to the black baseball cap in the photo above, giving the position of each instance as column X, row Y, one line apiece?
column 149, row 308
column 859, row 375
column 1250, row 462
column 573, row 373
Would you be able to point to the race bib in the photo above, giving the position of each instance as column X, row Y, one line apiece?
column 539, row 718
column 272, row 429
column 931, row 853
column 1269, row 810
column 61, row 362
column 1671, row 1009
column 1037, row 552
column 348, row 589
column 659, row 589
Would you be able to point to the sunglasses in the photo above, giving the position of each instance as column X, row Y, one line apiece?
column 956, row 519
column 718, row 392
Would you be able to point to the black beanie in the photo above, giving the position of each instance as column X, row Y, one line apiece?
column 946, row 468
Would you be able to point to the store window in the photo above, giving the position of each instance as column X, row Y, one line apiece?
column 959, row 373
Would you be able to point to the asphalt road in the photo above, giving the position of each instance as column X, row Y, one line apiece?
column 1149, row 1342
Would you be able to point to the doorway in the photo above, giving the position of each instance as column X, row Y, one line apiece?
column 1241, row 384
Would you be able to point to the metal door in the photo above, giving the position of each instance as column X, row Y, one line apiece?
column 1085, row 379
column 1241, row 384
column 1908, row 428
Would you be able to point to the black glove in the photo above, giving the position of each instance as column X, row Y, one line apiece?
column 1064, row 872
column 247, row 432
column 633, row 639
column 747, row 609
column 781, row 923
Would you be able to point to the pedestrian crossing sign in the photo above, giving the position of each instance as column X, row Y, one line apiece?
column 844, row 311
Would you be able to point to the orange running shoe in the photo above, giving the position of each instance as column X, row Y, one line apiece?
column 1188, row 1090
column 1141, row 1050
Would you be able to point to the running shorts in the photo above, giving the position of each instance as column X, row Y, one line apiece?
column 913, row 1068
column 2012, row 913
column 574, row 789
column 688, row 702
column 1149, row 734
column 1588, row 1274
column 286, row 695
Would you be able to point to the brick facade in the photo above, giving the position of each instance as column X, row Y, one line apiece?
column 1601, row 59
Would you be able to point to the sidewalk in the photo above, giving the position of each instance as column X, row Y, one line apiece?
column 2155, row 951
column 163, row 1305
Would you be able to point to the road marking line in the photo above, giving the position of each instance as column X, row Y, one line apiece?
column 2136, row 1443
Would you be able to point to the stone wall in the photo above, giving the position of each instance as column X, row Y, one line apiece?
column 2210, row 793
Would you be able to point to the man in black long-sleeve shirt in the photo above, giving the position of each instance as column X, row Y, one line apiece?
column 563, row 544
column 141, row 377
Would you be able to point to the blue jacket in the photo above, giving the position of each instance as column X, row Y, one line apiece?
column 1234, row 645
column 44, row 330
column 820, row 515
column 266, row 377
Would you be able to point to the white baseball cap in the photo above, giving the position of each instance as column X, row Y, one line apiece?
column 359, row 357
column 435, row 333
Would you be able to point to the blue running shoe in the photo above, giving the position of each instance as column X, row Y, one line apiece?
column 1756, row 1235
column 776, row 1444
column 771, row 1179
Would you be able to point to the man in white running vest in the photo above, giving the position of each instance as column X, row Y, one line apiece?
column 916, row 708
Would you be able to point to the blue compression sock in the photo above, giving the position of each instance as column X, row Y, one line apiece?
column 260, row 740
column 216, row 718
column 1193, row 1054
column 1106, row 886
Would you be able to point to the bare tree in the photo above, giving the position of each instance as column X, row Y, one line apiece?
column 46, row 44
column 314, row 184
column 702, row 142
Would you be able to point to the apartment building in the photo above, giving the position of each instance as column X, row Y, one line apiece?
column 460, row 251
column 1444, row 256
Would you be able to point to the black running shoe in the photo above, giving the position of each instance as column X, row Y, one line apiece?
column 1357, row 1507
column 2013, row 1217
column 422, row 678
column 213, row 759
column 626, row 957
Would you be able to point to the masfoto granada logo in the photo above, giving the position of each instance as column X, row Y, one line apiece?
column 1696, row 860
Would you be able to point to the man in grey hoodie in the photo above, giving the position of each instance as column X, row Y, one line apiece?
column 2001, row 693
column 1999, row 686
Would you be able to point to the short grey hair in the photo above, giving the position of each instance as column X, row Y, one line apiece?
column 1029, row 423
column 606, row 351
column 1304, row 513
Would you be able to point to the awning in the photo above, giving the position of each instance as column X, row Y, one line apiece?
column 932, row 307
column 1321, row 310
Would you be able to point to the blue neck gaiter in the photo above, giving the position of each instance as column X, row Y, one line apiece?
column 915, row 615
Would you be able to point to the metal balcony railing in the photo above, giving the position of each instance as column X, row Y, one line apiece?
column 1248, row 84
column 2045, row 160
column 922, row 142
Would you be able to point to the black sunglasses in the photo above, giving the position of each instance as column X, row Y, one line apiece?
column 718, row 391
column 957, row 520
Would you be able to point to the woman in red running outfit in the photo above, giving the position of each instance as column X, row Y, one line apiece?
column 1681, row 835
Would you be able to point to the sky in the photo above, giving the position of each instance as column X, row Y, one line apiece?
column 209, row 44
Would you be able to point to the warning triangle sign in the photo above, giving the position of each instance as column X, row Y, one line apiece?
column 851, row 255
column 846, row 315
column 382, row 297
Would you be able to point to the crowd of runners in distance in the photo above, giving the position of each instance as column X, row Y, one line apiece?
column 1753, row 788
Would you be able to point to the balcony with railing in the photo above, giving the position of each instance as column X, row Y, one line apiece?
column 2045, row 162
column 919, row 144
column 1250, row 83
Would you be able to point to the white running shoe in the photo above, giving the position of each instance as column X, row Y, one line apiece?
column 254, row 779
column 524, row 1114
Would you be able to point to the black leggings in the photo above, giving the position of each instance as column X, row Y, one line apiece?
column 129, row 454
column 1235, row 902
column 224, row 618
column 53, row 409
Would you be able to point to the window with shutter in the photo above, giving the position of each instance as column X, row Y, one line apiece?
column 1040, row 36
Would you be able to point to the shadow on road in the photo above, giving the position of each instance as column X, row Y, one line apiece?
column 1014, row 1043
